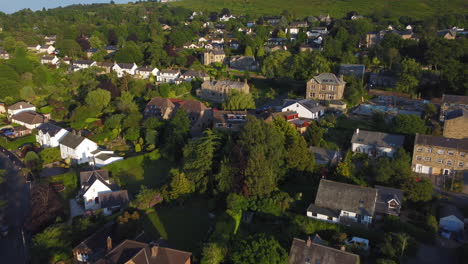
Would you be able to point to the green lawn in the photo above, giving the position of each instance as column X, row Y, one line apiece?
column 70, row 181
column 336, row 8
column 16, row 143
column 147, row 169
column 185, row 227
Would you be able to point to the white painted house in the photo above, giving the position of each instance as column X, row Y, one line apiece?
column 49, row 49
column 376, row 144
column 53, row 60
column 19, row 107
column 146, row 72
column 306, row 108
column 98, row 192
column 49, row 135
column 77, row 148
column 338, row 202
column 124, row 68
column 83, row 64
column 168, row 76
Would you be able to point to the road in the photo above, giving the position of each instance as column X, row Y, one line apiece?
column 16, row 191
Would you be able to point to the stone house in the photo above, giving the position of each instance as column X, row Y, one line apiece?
column 212, row 56
column 435, row 155
column 376, row 144
column 450, row 103
column 106, row 66
column 456, row 124
column 243, row 63
column 218, row 91
column 325, row 86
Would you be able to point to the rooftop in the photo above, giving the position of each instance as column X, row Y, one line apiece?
column 328, row 78
column 452, row 143
column 377, row 139
column 29, row 117
column 314, row 253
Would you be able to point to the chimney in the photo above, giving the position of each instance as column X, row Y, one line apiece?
column 109, row 243
column 343, row 248
column 357, row 130
column 309, row 241
column 154, row 251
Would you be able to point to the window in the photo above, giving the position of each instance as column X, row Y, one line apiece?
column 450, row 153
column 329, row 218
column 314, row 214
column 331, row 96
column 440, row 151
column 418, row 157
column 332, row 88
column 419, row 149
column 428, row 159
column 440, row 161
column 449, row 162
column 460, row 164
column 428, row 150
column 345, row 213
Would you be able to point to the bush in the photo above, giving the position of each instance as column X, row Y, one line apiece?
column 50, row 155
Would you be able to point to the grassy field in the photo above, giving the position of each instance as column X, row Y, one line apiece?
column 336, row 8
column 149, row 169
column 184, row 227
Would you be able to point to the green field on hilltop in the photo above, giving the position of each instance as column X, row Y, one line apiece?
column 336, row 8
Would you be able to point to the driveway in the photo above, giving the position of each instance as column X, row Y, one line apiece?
column 12, row 248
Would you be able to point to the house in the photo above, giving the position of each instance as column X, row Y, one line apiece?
column 243, row 63
column 376, row 144
column 98, row 192
column 159, row 107
column 124, row 68
column 451, row 103
column 356, row 70
column 190, row 75
column 168, row 76
column 2, row 108
column 90, row 52
column 53, row 60
column 193, row 46
column 306, row 108
column 276, row 41
column 213, row 56
column 436, row 155
column 310, row 252
column 324, row 19
column 111, row 49
column 76, row 148
column 146, row 72
column 326, row 157
column 299, row 24
column 95, row 246
column 4, row 55
column 49, row 135
column 344, row 203
column 229, row 120
column 103, row 157
column 226, row 18
column 33, row 48
column 389, row 201
column 199, row 115
column 292, row 117
column 273, row 21
column 106, row 66
column 382, row 79
column 325, row 86
column 83, row 64
column 19, row 107
column 134, row 252
column 234, row 44
column 218, row 91
column 374, row 37
column 29, row 119
column 20, row 131
column 456, row 124
column 49, row 49
column 67, row 60
column 50, row 40
column 451, row 220
column 447, row 34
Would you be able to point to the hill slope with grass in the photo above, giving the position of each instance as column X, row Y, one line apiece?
column 335, row 8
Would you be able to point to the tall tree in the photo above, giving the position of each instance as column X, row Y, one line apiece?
column 239, row 101
column 180, row 185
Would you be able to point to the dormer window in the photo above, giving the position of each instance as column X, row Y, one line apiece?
column 392, row 204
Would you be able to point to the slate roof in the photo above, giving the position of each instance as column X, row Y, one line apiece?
column 386, row 194
column 226, row 83
column 453, row 143
column 342, row 196
column 352, row 69
column 223, row 116
column 456, row 113
column 96, row 244
column 86, row 62
column 49, row 128
column 448, row 210
column 196, row 74
column 112, row 199
column 328, row 78
column 170, row 71
column 88, row 177
column 323, row 155
column 217, row 52
column 20, row 105
column 454, row 99
column 125, row 65
column 145, row 69
column 311, row 105
column 314, row 253
column 377, row 139
column 105, row 64
column 71, row 140
column 29, row 117
column 161, row 105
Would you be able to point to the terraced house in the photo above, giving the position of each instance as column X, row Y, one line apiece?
column 325, row 86
column 218, row 91
column 435, row 155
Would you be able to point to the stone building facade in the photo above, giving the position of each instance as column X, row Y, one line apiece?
column 456, row 124
column 325, row 86
column 212, row 56
column 435, row 155
column 218, row 91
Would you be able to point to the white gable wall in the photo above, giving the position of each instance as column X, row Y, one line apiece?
column 92, row 193
column 46, row 141
column 302, row 111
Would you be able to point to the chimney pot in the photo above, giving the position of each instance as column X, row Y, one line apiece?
column 357, row 130
column 343, row 248
column 154, row 251
column 109, row 243
column 309, row 242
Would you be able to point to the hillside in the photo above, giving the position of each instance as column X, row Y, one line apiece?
column 336, row 8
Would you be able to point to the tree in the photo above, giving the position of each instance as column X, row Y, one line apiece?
column 418, row 190
column 248, row 51
column 260, row 52
column 213, row 253
column 146, row 198
column 98, row 99
column 52, row 245
column 395, row 245
column 130, row 53
column 132, row 133
column 198, row 159
column 409, row 124
column 33, row 162
column 239, row 101
column 259, row 249
column 345, row 168
column 180, row 185
column 314, row 134
column 176, row 134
